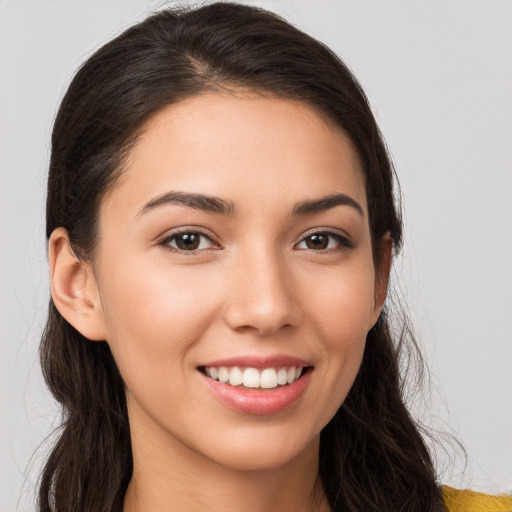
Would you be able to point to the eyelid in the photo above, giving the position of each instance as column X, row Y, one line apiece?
column 164, row 240
column 343, row 238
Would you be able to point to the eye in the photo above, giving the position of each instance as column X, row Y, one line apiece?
column 188, row 241
column 323, row 241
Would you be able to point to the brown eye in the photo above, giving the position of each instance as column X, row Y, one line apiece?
column 188, row 241
column 318, row 241
column 324, row 241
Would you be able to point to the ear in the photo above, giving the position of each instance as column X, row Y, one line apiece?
column 382, row 270
column 74, row 288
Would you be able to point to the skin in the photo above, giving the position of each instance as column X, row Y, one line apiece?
column 253, row 287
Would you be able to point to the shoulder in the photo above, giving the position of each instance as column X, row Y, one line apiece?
column 465, row 500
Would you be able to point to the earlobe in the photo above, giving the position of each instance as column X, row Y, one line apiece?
column 74, row 288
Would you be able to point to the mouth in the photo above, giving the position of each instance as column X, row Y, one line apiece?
column 257, row 385
column 270, row 378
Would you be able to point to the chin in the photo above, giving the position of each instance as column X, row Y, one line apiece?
column 258, row 453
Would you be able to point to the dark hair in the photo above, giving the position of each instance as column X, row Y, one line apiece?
column 372, row 454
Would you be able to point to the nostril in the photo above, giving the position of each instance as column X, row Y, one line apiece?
column 261, row 299
column 266, row 322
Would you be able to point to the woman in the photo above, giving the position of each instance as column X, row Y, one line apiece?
column 221, row 226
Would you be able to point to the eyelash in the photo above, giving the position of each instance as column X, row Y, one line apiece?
column 343, row 241
column 166, row 242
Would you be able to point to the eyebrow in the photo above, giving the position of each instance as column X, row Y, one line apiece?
column 223, row 207
column 326, row 203
column 196, row 201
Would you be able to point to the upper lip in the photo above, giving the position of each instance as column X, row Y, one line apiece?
column 255, row 361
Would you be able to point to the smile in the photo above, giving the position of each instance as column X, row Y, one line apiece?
column 257, row 385
column 264, row 378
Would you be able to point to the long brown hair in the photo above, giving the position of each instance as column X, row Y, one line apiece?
column 372, row 454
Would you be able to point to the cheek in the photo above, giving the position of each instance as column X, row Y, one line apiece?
column 342, row 311
column 155, row 317
column 344, row 304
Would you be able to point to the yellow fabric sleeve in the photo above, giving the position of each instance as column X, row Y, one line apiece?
column 464, row 500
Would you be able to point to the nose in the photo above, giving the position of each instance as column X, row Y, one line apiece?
column 261, row 295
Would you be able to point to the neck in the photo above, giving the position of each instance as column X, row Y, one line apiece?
column 168, row 475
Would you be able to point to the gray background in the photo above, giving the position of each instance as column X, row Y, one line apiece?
column 439, row 76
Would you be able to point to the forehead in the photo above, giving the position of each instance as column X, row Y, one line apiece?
column 247, row 147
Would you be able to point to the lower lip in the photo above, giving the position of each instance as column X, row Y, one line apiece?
column 258, row 402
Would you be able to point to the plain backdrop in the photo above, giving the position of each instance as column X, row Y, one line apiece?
column 439, row 77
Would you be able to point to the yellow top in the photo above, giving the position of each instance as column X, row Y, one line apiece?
column 457, row 500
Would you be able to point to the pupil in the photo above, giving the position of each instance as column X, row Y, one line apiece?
column 317, row 242
column 188, row 241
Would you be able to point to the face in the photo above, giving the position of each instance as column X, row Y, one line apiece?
column 236, row 246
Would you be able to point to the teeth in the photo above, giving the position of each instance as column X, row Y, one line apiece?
column 267, row 378
column 223, row 374
column 235, row 376
column 282, row 376
column 251, row 378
